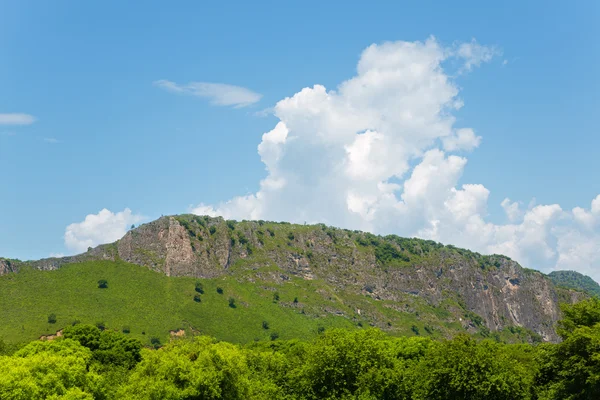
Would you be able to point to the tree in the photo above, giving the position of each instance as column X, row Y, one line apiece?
column 197, row 298
column 571, row 369
column 265, row 325
column 102, row 284
column 220, row 290
column 463, row 369
column 132, row 226
column 52, row 318
column 199, row 288
column 47, row 370
column 276, row 297
column 232, row 302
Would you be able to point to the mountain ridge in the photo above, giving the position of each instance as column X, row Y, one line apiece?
column 377, row 277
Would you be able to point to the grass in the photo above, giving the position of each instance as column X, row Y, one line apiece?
column 152, row 304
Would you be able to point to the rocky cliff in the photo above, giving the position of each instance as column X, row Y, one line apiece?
column 457, row 287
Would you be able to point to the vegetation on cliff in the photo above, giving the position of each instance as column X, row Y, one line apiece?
column 575, row 280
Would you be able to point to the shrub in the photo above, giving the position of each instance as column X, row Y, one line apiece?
column 101, row 325
column 212, row 230
column 231, row 302
column 52, row 318
column 271, row 232
column 126, row 329
column 265, row 325
column 155, row 342
column 220, row 290
column 274, row 335
column 102, row 284
column 231, row 225
column 242, row 238
column 291, row 236
column 320, row 329
column 295, row 300
column 276, row 297
column 197, row 298
column 199, row 288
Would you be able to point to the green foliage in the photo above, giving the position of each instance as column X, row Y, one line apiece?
column 197, row 298
column 212, row 230
column 52, row 318
column 575, row 280
column 219, row 290
column 108, row 347
column 464, row 369
column 387, row 254
column 199, row 287
column 102, row 284
column 571, row 369
column 231, row 302
column 337, row 364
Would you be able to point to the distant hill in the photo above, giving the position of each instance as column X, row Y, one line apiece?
column 575, row 280
column 278, row 280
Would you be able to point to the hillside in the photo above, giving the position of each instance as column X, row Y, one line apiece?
column 296, row 278
column 575, row 280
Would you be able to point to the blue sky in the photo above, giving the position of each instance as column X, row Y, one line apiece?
column 108, row 135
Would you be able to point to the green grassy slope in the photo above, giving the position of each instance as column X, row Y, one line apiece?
column 150, row 302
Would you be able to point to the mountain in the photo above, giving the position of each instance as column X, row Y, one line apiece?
column 298, row 278
column 575, row 280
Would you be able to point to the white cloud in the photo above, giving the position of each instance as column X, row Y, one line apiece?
column 475, row 54
column 95, row 229
column 512, row 209
column 51, row 140
column 219, row 94
column 376, row 154
column 16, row 119
column 462, row 139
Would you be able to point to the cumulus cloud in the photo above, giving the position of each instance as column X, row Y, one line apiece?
column 16, row 119
column 219, row 94
column 95, row 229
column 379, row 153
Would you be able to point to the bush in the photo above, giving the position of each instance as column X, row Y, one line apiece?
column 220, row 290
column 265, row 325
column 197, row 298
column 126, row 329
column 102, row 284
column 231, row 225
column 212, row 230
column 52, row 318
column 231, row 302
column 101, row 325
column 155, row 342
column 291, row 236
column 271, row 232
column 199, row 288
column 276, row 297
column 274, row 336
column 295, row 300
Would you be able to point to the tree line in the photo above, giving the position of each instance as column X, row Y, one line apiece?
column 90, row 363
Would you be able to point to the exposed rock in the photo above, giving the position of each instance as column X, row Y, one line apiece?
column 391, row 269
